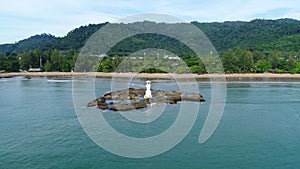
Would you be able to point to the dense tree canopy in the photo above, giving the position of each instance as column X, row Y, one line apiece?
column 244, row 47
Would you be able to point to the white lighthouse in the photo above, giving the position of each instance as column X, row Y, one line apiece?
column 148, row 91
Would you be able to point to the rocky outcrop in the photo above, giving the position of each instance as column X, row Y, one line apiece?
column 129, row 99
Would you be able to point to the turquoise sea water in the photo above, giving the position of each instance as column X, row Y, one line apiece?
column 260, row 128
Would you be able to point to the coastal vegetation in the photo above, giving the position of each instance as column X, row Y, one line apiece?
column 244, row 47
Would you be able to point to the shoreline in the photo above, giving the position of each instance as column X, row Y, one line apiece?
column 159, row 76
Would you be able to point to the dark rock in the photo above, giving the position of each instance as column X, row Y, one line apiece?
column 92, row 103
column 96, row 102
column 129, row 99
column 193, row 97
column 102, row 105
column 100, row 100
column 122, row 106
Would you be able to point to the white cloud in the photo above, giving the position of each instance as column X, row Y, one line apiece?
column 25, row 18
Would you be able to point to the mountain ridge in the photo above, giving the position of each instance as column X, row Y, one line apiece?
column 223, row 35
column 27, row 44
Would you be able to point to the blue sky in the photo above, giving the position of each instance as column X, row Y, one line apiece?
column 22, row 19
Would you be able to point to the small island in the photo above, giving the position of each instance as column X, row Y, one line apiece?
column 131, row 98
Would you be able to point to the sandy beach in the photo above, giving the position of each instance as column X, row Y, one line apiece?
column 159, row 76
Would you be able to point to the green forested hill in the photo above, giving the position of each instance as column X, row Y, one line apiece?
column 33, row 42
column 286, row 43
column 248, row 34
column 223, row 35
column 75, row 39
column 244, row 47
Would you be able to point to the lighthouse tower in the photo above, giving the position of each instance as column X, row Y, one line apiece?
column 148, row 91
